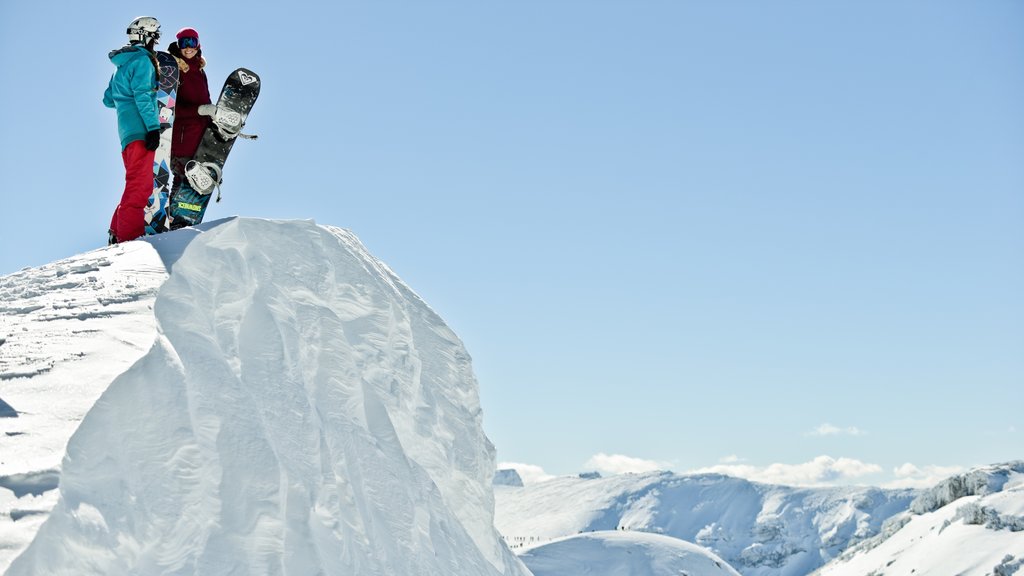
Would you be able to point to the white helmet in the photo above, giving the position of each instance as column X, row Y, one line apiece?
column 143, row 29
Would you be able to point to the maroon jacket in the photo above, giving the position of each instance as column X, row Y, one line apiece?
column 193, row 92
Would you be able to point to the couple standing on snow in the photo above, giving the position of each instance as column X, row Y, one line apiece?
column 132, row 92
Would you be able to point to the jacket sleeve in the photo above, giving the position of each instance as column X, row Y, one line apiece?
column 108, row 97
column 143, row 82
column 206, row 90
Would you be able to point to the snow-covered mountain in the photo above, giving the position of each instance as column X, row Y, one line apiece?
column 279, row 403
column 624, row 554
column 266, row 397
column 758, row 529
column 970, row 524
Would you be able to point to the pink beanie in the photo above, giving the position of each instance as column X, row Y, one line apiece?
column 189, row 33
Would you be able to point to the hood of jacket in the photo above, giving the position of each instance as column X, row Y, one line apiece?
column 126, row 54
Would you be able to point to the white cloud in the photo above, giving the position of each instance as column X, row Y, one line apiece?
column 823, row 470
column 730, row 459
column 827, row 429
column 910, row 476
column 530, row 473
column 619, row 464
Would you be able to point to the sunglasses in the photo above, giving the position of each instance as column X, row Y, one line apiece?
column 188, row 42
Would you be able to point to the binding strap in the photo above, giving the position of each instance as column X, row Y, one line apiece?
column 204, row 177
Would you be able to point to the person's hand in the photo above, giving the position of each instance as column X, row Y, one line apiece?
column 152, row 140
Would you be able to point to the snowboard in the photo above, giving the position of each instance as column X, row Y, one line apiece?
column 203, row 172
column 166, row 92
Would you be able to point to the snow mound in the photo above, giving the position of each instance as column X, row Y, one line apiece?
column 971, row 524
column 624, row 554
column 759, row 529
column 302, row 411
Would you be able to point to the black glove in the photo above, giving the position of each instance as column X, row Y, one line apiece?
column 152, row 140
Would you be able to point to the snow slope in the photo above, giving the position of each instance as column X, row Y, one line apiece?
column 300, row 411
column 624, row 554
column 758, row 529
column 66, row 330
column 970, row 525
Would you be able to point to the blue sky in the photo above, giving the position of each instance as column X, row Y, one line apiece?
column 692, row 234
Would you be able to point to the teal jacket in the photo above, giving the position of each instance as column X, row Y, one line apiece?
column 132, row 92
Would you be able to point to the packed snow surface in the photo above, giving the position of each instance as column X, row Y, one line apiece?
column 294, row 409
column 624, row 554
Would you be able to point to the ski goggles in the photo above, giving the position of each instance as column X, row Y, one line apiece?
column 188, row 42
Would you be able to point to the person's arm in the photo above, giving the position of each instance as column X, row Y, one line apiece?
column 108, row 97
column 143, row 82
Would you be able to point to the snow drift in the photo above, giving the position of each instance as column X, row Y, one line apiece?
column 624, row 554
column 302, row 411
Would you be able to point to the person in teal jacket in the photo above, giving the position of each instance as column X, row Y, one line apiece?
column 132, row 93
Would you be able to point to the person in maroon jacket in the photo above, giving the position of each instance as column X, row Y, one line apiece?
column 193, row 92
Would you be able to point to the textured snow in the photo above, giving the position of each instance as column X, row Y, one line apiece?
column 67, row 329
column 758, row 529
column 624, row 554
column 289, row 406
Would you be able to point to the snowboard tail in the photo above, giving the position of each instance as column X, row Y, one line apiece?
column 203, row 172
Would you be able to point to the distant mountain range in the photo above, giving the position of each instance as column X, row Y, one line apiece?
column 762, row 529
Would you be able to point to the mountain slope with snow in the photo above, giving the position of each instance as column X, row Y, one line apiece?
column 758, row 529
column 300, row 411
column 970, row 524
column 66, row 330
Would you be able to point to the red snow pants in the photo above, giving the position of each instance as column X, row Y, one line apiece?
column 129, row 220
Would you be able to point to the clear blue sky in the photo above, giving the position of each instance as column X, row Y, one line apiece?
column 678, row 231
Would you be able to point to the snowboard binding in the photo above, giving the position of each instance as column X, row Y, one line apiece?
column 203, row 177
column 229, row 123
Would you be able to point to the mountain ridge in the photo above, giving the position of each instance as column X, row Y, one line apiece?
column 759, row 529
column 970, row 524
column 973, row 520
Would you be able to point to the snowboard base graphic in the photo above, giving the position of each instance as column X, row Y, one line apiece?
column 166, row 93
